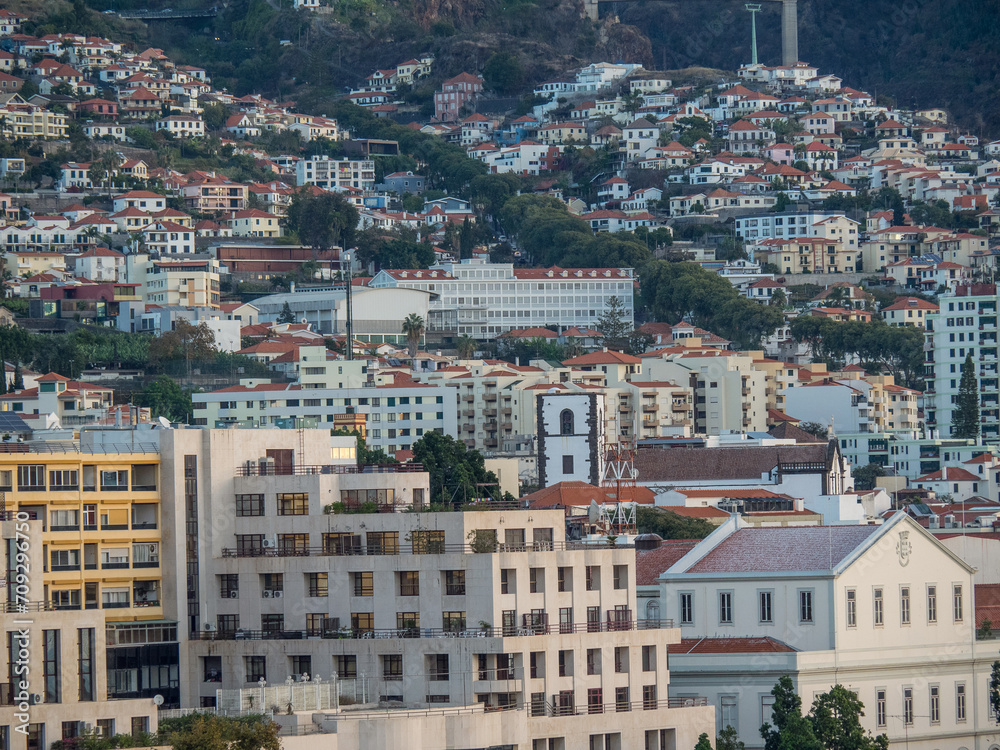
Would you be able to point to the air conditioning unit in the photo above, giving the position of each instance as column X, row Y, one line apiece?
column 36, row 699
column 88, row 727
column 277, row 594
column 209, row 627
column 234, row 594
column 269, row 544
column 266, row 594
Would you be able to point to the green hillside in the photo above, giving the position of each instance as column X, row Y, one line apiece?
column 915, row 52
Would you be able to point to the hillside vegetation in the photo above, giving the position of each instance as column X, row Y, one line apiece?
column 915, row 52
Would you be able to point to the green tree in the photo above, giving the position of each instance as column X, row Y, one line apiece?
column 187, row 341
column 286, row 315
column 208, row 732
column 995, row 690
column 815, row 428
column 788, row 728
column 728, row 739
column 322, row 221
column 457, row 473
column 165, row 398
column 965, row 418
column 704, row 743
column 466, row 346
column 865, row 476
column 18, row 382
column 670, row 525
column 836, row 722
column 503, row 73
column 413, row 328
column 614, row 329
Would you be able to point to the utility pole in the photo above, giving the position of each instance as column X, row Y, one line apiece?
column 754, row 9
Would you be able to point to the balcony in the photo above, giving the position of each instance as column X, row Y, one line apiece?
column 468, row 427
column 488, row 396
column 255, row 469
column 506, row 411
column 468, row 397
column 649, row 408
column 490, row 413
column 680, row 406
column 491, row 442
column 624, row 408
column 468, row 413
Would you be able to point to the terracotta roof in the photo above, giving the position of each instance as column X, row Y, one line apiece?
column 650, row 563
column 730, row 646
column 603, row 358
column 790, row 548
column 529, row 333
column 678, row 464
column 566, row 494
column 949, row 474
column 790, row 431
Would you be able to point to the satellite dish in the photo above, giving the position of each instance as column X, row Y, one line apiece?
column 165, row 423
column 593, row 512
column 157, row 700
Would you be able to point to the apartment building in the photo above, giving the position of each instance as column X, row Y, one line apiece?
column 184, row 280
column 430, row 610
column 101, row 648
column 886, row 611
column 335, row 174
column 789, row 226
column 397, row 411
column 966, row 324
column 807, row 255
column 729, row 392
column 872, row 404
column 213, row 194
column 483, row 300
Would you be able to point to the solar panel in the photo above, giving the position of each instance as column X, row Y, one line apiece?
column 10, row 422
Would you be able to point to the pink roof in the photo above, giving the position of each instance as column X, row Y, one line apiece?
column 774, row 550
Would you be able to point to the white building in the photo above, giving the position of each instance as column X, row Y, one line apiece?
column 483, row 299
column 886, row 611
column 570, row 433
column 787, row 226
column 335, row 174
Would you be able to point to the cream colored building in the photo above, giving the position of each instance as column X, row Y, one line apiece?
column 185, row 280
column 886, row 611
column 494, row 611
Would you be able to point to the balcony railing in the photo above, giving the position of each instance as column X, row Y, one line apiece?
column 255, row 469
column 422, row 548
column 394, row 633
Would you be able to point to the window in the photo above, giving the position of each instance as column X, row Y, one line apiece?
column 764, row 612
column 960, row 702
column 64, row 520
column 620, row 577
column 935, row 704
column 805, row 606
column 409, row 583
column 507, row 581
column 593, row 619
column 880, row 715
column 649, row 658
column 593, row 578
column 564, row 579
column 317, row 584
column 648, row 697
column 249, row 505
column 728, row 715
column 565, row 663
column 593, row 661
column 346, row 667
column 536, row 664
column 363, row 584
column 621, row 700
column 114, row 481
column 293, row 504
column 454, row 582
column 595, row 702
column 567, row 464
column 908, row 705
column 227, row 623
column 407, row 620
column 566, row 422
column 932, row 604
column 957, row 602
column 249, row 545
column 140, row 725
column 565, row 619
column 687, row 609
column 877, row 607
column 383, row 542
column 852, row 609
column 453, row 621
column 537, row 707
column 64, row 480
column 363, row 622
column 301, row 665
column 272, row 623
column 256, row 668
column 904, row 605
column 725, row 607
column 31, row 478
column 536, row 580
column 392, row 667
column 621, row 659
column 50, row 666
column 438, row 667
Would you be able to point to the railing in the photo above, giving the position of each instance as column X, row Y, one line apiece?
column 14, row 608
column 614, row 706
column 421, row 548
column 508, row 631
column 255, row 469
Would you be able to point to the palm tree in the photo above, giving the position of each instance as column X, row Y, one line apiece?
column 466, row 346
column 413, row 328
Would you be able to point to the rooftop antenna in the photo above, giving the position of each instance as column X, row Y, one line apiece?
column 754, row 9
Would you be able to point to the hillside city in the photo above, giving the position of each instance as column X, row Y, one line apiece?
column 687, row 376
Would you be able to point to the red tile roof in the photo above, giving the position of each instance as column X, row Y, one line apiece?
column 566, row 494
column 730, row 646
column 649, row 564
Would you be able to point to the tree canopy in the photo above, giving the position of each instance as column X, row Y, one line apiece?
column 456, row 471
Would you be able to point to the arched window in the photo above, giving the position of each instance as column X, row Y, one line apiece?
column 566, row 422
column 653, row 610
